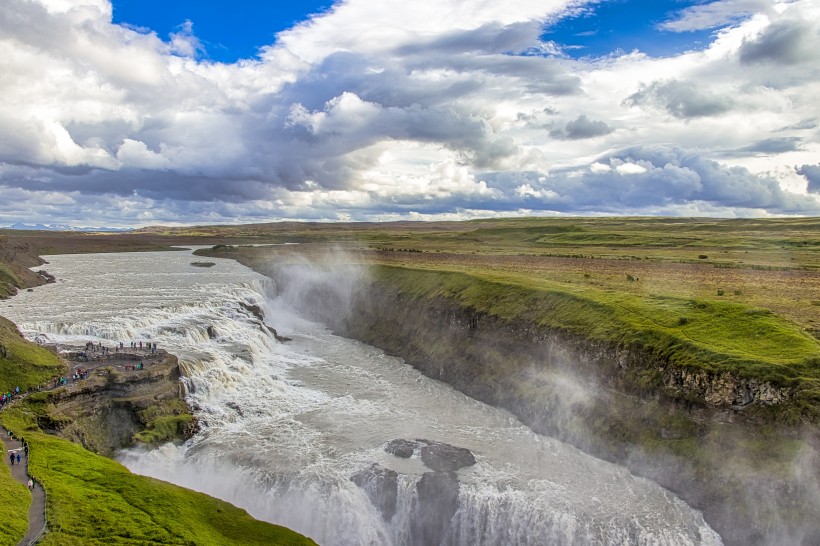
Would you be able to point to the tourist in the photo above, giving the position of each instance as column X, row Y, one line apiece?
column 18, row 457
column 11, row 458
column 30, row 484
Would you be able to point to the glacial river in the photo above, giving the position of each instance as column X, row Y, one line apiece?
column 284, row 426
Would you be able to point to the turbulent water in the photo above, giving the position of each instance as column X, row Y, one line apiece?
column 284, row 426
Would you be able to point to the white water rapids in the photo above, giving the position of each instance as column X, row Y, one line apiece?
column 284, row 426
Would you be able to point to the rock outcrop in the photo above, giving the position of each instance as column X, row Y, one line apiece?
column 437, row 502
column 725, row 389
column 113, row 409
column 436, row 456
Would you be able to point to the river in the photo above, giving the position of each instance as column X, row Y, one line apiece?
column 284, row 426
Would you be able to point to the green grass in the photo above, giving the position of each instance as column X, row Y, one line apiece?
column 165, row 428
column 96, row 501
column 14, row 504
column 713, row 335
column 27, row 365
column 8, row 280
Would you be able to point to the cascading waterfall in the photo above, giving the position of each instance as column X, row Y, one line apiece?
column 297, row 433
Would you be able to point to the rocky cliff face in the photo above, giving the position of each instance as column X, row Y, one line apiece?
column 725, row 389
column 114, row 409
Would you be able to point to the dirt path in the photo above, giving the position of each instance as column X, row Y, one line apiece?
column 37, row 512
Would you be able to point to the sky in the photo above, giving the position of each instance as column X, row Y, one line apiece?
column 143, row 112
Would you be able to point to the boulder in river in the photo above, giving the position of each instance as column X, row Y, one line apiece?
column 436, row 456
column 402, row 448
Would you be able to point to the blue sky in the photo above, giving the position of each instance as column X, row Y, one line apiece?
column 125, row 114
column 228, row 30
column 626, row 25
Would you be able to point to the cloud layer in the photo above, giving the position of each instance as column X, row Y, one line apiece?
column 385, row 110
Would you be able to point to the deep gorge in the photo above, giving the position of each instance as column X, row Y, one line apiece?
column 717, row 441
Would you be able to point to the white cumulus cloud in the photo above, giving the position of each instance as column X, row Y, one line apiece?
column 385, row 109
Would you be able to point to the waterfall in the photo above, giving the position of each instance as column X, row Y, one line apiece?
column 299, row 433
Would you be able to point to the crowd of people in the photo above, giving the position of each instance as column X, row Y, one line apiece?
column 7, row 397
column 92, row 351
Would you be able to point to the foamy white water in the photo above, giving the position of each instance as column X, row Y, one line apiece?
column 284, row 427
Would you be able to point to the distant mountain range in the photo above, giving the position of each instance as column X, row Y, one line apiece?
column 62, row 227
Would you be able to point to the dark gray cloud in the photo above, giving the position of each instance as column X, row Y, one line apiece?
column 768, row 146
column 805, row 124
column 490, row 38
column 660, row 178
column 682, row 99
column 580, row 128
column 783, row 42
column 812, row 174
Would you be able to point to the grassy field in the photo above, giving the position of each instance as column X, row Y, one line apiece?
column 94, row 500
column 707, row 334
column 25, row 365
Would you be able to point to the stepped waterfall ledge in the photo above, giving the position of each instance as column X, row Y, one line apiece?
column 332, row 437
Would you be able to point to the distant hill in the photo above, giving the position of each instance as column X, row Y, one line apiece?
column 62, row 227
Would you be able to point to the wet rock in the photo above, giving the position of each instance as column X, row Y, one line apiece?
column 436, row 456
column 254, row 310
column 211, row 332
column 234, row 406
column 381, row 486
column 437, row 502
column 446, row 458
column 276, row 336
column 402, row 448
column 48, row 277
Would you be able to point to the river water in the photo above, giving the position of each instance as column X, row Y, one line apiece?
column 284, row 426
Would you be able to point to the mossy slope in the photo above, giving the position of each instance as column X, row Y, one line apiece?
column 26, row 364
